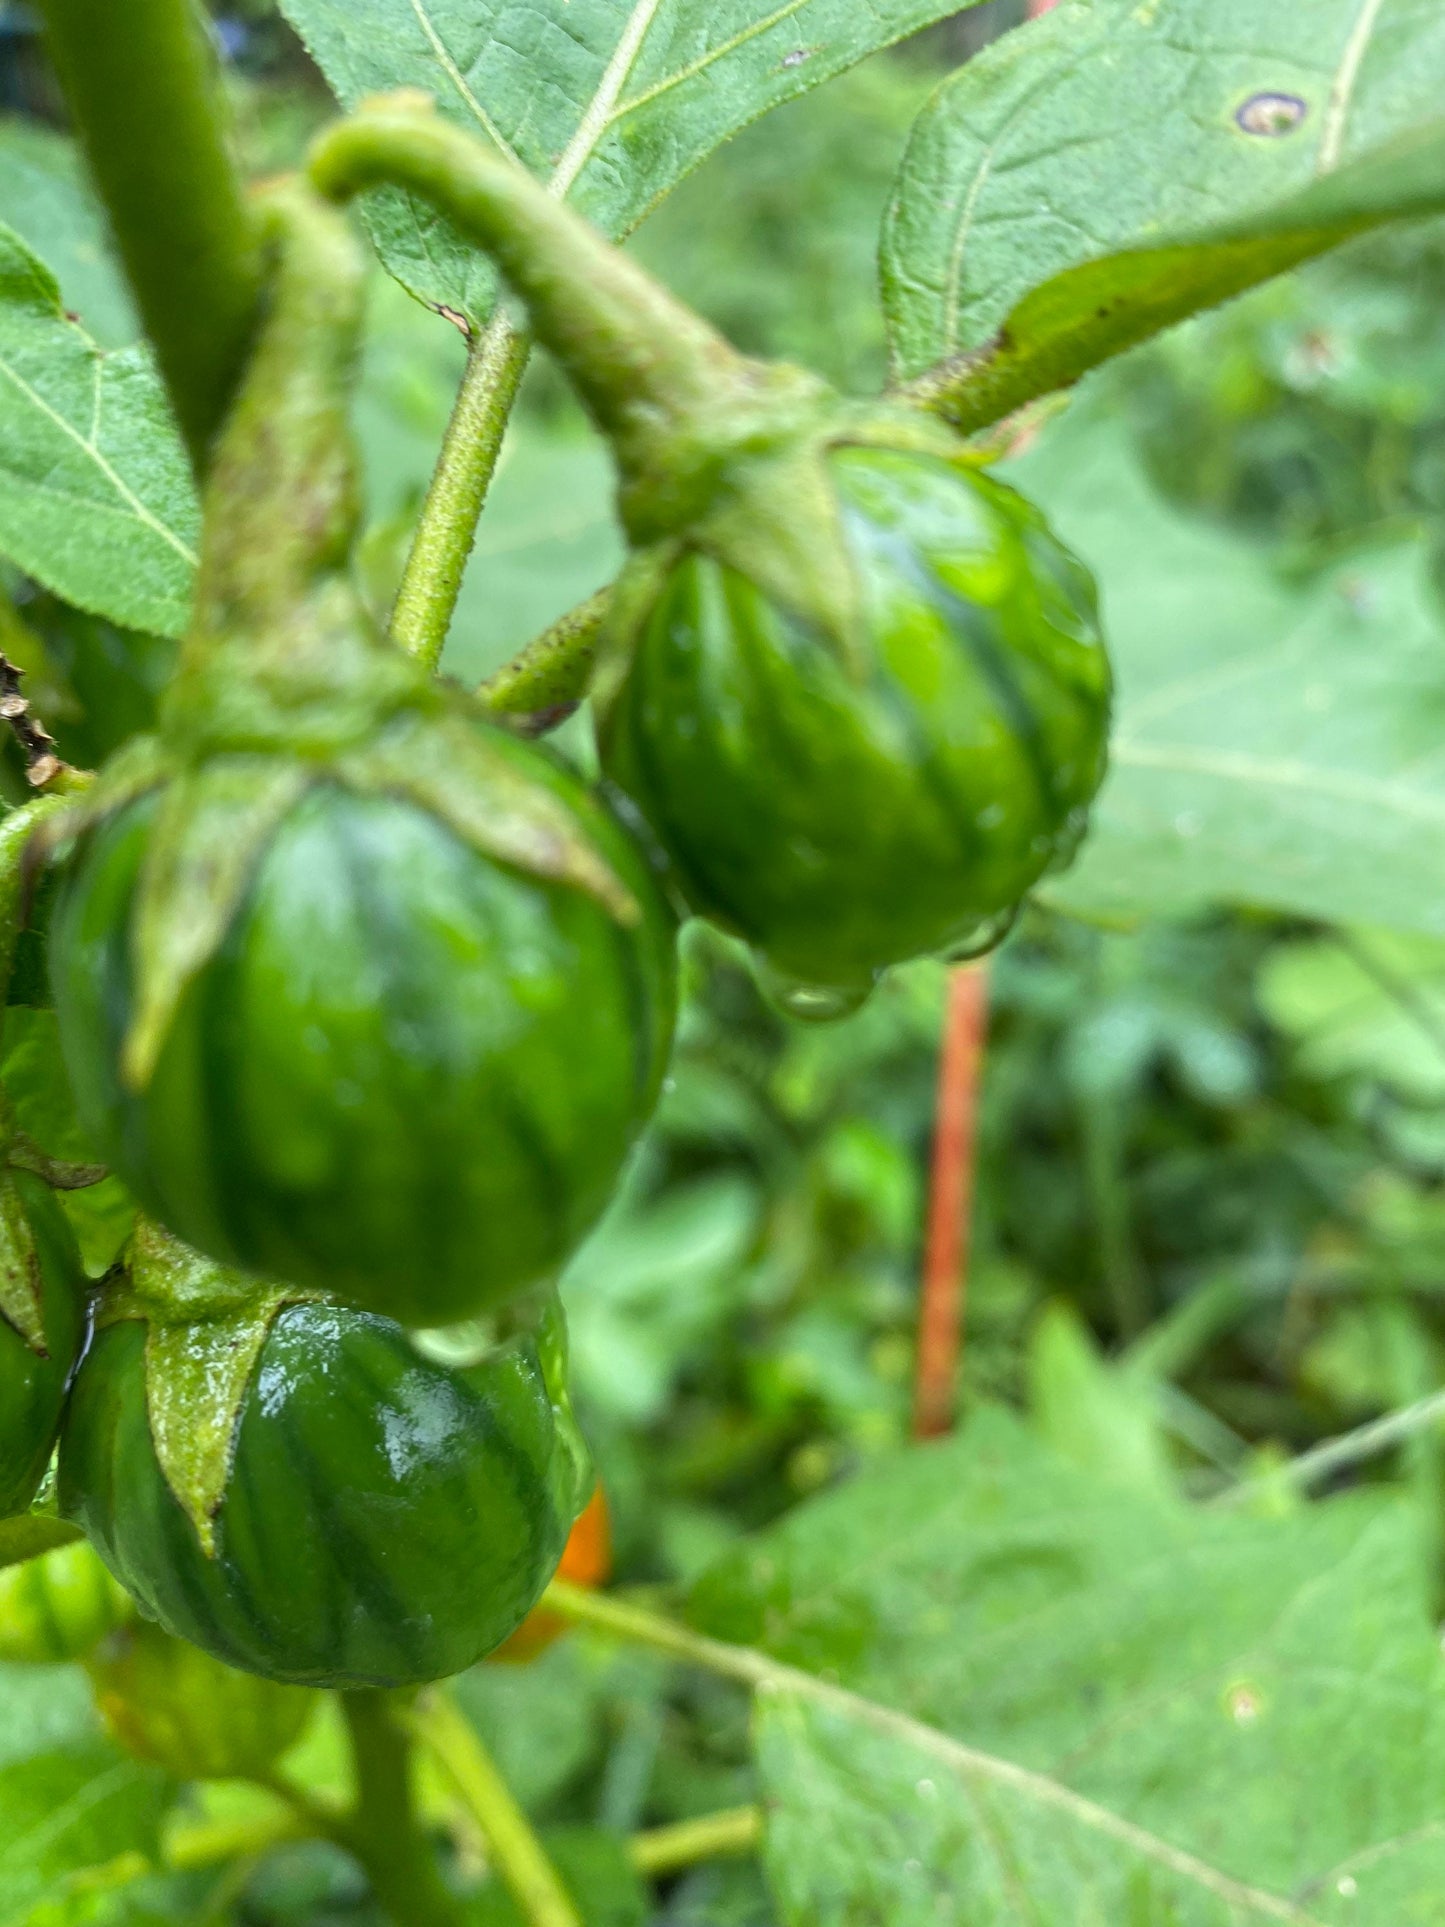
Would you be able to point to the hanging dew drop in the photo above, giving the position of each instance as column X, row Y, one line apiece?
column 809, row 1003
column 1068, row 841
column 985, row 935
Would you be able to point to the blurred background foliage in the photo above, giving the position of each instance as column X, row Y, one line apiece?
column 1211, row 1198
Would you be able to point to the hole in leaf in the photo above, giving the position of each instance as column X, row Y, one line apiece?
column 1272, row 114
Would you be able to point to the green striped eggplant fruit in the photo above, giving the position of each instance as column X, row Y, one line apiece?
column 41, row 1326
column 390, row 1514
column 409, row 1074
column 847, row 800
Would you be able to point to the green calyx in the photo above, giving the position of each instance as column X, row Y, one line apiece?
column 285, row 681
column 205, row 1327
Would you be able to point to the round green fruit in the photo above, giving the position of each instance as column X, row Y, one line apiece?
column 57, row 1609
column 409, row 1075
column 843, row 811
column 388, row 1518
column 33, row 1378
column 167, row 1702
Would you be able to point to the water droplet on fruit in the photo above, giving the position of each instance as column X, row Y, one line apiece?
column 810, row 1003
column 987, row 934
column 1066, row 844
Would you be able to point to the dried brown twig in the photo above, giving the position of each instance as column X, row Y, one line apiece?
column 43, row 764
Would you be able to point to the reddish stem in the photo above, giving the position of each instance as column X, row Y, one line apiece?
column 1036, row 7
column 950, row 1211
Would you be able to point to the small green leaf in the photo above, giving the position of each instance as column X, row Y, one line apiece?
column 611, row 101
column 1115, row 167
column 96, row 499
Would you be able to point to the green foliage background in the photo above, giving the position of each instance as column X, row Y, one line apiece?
column 1211, row 1207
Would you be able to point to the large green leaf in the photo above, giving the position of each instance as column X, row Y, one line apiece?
column 612, row 101
column 1043, row 1701
column 1274, row 744
column 96, row 500
column 1108, row 170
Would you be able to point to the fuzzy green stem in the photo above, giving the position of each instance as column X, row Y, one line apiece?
column 284, row 489
column 140, row 80
column 516, row 1853
column 427, row 599
column 384, row 1832
column 553, row 672
column 667, row 1850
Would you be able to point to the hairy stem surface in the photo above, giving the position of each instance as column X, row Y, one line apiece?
column 427, row 600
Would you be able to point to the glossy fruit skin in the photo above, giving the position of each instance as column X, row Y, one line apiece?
column 167, row 1702
column 388, row 1520
column 843, row 819
column 32, row 1388
column 411, row 1075
column 57, row 1609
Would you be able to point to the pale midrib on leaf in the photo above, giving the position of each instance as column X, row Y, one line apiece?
column 1342, row 94
column 1240, row 766
column 969, row 1762
column 137, row 507
column 594, row 122
column 458, row 78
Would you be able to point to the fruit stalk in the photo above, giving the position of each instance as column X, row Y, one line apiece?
column 384, row 1832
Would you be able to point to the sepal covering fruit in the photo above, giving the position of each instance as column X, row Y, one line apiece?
column 42, row 1323
column 389, row 1505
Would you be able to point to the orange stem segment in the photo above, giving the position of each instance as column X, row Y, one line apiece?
column 945, row 1270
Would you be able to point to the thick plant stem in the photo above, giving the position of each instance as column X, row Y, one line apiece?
column 384, row 1832
column 140, row 80
column 427, row 599
column 552, row 674
column 516, row 1853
